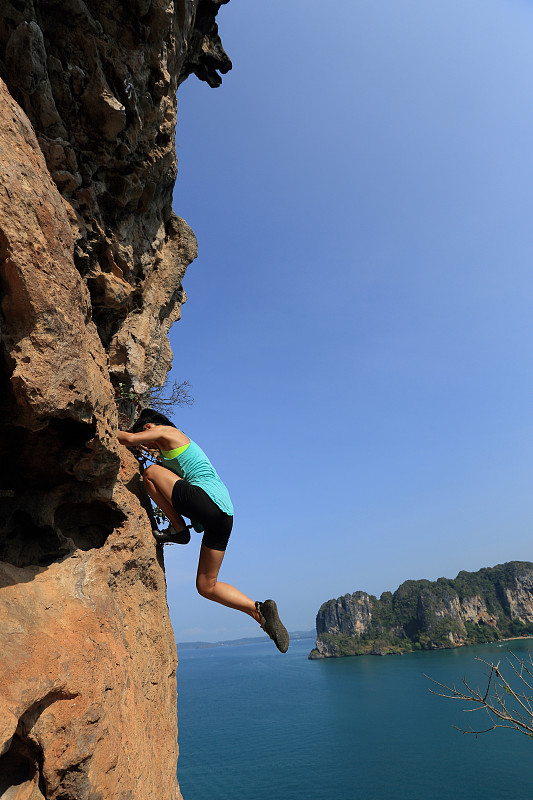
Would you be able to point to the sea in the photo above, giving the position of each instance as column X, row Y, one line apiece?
column 256, row 725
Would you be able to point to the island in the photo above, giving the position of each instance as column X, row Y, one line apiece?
column 492, row 604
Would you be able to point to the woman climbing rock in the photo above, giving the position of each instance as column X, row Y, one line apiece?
column 186, row 483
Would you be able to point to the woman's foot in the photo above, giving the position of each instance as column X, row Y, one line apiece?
column 272, row 625
column 171, row 535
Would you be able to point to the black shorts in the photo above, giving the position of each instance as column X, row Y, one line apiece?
column 194, row 503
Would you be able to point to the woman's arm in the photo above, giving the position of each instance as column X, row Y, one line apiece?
column 162, row 436
column 125, row 437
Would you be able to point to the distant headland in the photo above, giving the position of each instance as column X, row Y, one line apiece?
column 245, row 640
column 492, row 604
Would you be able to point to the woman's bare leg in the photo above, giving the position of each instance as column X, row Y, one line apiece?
column 159, row 483
column 209, row 586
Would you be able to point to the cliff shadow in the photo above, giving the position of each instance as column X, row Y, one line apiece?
column 77, row 526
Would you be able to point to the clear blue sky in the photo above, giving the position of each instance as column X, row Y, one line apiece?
column 358, row 329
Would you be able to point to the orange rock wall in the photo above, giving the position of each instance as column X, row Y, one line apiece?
column 87, row 674
column 91, row 262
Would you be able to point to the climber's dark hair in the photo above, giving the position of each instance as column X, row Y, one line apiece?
column 149, row 415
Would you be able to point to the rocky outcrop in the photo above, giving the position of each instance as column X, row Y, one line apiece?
column 348, row 616
column 205, row 54
column 476, row 607
column 98, row 82
column 91, row 263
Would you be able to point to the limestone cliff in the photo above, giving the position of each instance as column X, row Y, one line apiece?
column 494, row 603
column 91, row 263
column 98, row 82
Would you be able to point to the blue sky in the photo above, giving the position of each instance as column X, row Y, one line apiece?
column 358, row 326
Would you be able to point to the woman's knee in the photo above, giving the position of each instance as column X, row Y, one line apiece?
column 206, row 585
column 154, row 474
column 150, row 473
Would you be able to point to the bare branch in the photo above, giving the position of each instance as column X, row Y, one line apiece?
column 164, row 398
column 505, row 704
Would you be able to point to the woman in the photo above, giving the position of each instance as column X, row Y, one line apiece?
column 185, row 482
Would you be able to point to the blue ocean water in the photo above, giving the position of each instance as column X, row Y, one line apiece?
column 256, row 725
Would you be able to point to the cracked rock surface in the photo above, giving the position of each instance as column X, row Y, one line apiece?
column 88, row 653
column 97, row 80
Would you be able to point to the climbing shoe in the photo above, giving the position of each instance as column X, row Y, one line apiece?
column 169, row 535
column 272, row 625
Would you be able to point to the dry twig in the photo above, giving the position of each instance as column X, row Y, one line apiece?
column 506, row 706
column 163, row 398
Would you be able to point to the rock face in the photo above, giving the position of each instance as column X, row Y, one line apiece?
column 91, row 262
column 494, row 603
column 98, row 82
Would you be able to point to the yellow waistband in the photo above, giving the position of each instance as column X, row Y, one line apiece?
column 174, row 453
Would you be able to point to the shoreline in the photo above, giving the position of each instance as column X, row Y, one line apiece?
column 315, row 654
column 515, row 638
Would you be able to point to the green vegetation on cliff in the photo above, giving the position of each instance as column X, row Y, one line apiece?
column 493, row 603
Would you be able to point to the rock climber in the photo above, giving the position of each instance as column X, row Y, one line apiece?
column 184, row 482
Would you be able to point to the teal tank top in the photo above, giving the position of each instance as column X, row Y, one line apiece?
column 191, row 463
